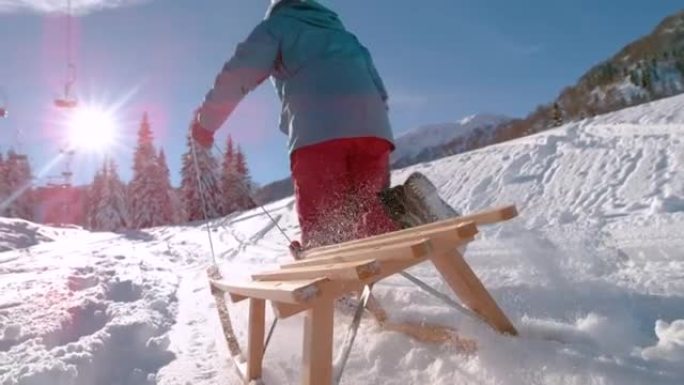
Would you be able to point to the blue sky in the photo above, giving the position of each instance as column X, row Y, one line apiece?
column 441, row 60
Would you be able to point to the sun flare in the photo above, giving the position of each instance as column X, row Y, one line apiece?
column 91, row 128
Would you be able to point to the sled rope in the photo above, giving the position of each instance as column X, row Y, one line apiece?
column 206, row 218
column 275, row 223
column 203, row 202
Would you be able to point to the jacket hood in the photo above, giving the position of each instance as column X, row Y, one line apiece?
column 307, row 11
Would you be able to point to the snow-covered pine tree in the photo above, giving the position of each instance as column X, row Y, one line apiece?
column 190, row 189
column 145, row 206
column 245, row 181
column 19, row 203
column 165, row 191
column 94, row 197
column 110, row 210
column 230, row 192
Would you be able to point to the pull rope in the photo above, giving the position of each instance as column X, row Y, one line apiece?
column 206, row 218
column 203, row 201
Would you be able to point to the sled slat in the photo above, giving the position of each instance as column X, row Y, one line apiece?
column 451, row 231
column 282, row 291
column 255, row 339
column 463, row 281
column 485, row 217
column 354, row 270
column 387, row 268
column 491, row 216
column 332, row 292
column 395, row 252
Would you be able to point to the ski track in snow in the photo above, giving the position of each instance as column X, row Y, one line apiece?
column 591, row 273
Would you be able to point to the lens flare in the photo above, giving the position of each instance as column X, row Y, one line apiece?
column 91, row 128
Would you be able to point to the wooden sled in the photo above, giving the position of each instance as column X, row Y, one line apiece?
column 312, row 285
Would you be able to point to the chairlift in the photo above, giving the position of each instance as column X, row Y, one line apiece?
column 68, row 101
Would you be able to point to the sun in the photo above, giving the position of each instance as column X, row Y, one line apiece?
column 91, row 128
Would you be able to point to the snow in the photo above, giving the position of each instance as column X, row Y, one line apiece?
column 19, row 234
column 591, row 273
column 413, row 142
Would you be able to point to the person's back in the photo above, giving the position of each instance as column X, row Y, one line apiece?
column 326, row 79
column 334, row 111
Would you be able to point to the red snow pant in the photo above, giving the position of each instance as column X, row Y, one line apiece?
column 336, row 189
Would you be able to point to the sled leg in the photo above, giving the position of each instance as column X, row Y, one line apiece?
column 318, row 339
column 465, row 284
column 255, row 343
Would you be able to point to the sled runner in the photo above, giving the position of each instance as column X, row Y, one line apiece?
column 312, row 284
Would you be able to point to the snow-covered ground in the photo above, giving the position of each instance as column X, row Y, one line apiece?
column 592, row 274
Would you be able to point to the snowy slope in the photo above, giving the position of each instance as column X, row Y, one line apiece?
column 17, row 233
column 596, row 260
column 415, row 141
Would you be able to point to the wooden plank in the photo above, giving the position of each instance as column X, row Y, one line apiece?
column 465, row 284
column 284, row 291
column 451, row 231
column 396, row 252
column 334, row 289
column 318, row 345
column 332, row 292
column 485, row 217
column 336, row 271
column 255, row 338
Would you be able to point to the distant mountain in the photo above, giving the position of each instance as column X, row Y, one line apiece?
column 430, row 142
column 274, row 191
column 647, row 69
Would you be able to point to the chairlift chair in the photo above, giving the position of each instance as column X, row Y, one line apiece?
column 68, row 101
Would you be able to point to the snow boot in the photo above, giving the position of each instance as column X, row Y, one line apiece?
column 416, row 202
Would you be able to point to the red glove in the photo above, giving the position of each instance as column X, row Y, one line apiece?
column 202, row 136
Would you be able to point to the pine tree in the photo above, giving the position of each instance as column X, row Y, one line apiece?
column 17, row 181
column 245, row 184
column 203, row 189
column 108, row 200
column 114, row 214
column 646, row 80
column 145, row 197
column 229, row 180
column 557, row 115
column 165, row 190
column 94, row 197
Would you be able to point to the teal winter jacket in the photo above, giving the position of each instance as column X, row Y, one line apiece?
column 325, row 78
